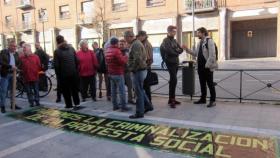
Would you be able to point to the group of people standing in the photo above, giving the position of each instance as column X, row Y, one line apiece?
column 122, row 62
column 28, row 64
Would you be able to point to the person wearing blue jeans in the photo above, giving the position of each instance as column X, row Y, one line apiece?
column 143, row 103
column 138, row 66
column 9, row 63
column 117, row 86
column 116, row 62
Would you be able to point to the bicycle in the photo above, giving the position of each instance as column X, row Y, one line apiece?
column 20, row 88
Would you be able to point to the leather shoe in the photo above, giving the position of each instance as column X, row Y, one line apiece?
column 175, row 101
column 115, row 108
column 136, row 116
column 125, row 109
column 16, row 107
column 200, row 101
column 147, row 110
column 211, row 104
column 3, row 109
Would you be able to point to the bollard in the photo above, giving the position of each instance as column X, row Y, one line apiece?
column 13, row 95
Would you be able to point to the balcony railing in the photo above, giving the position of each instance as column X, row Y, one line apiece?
column 25, row 4
column 201, row 5
column 119, row 7
column 155, row 3
column 25, row 26
column 85, row 18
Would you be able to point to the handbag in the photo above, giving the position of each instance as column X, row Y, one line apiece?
column 152, row 78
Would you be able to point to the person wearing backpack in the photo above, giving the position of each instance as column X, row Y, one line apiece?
column 170, row 51
column 206, row 53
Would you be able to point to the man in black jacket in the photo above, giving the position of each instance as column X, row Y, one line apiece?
column 44, row 59
column 9, row 63
column 66, row 68
column 171, row 49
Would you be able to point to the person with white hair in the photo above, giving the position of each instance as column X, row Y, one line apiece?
column 87, row 70
column 30, row 67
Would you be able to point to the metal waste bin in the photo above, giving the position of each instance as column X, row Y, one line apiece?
column 188, row 77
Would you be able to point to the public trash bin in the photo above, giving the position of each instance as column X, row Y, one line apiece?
column 188, row 77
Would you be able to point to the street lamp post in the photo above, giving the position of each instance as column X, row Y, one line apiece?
column 193, row 23
column 42, row 14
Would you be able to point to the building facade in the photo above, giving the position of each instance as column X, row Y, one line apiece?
column 241, row 29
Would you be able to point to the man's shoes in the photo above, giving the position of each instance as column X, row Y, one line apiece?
column 115, row 108
column 172, row 105
column 31, row 105
column 175, row 101
column 3, row 109
column 109, row 98
column 16, row 107
column 211, row 104
column 58, row 100
column 94, row 99
column 84, row 100
column 131, row 102
column 200, row 101
column 100, row 94
column 125, row 109
column 38, row 104
column 136, row 116
column 147, row 110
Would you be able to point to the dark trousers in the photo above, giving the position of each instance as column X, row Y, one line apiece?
column 58, row 90
column 172, row 69
column 32, row 89
column 70, row 90
column 147, row 86
column 206, row 77
column 86, row 83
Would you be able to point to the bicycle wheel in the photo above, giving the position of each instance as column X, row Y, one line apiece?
column 47, row 90
column 19, row 87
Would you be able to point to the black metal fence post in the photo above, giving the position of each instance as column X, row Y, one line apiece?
column 241, row 86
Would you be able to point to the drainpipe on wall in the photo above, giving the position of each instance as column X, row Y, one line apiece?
column 278, row 32
column 223, row 34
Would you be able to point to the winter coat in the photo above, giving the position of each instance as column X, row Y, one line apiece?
column 115, row 60
column 87, row 63
column 171, row 49
column 44, row 58
column 5, row 62
column 30, row 67
column 137, row 57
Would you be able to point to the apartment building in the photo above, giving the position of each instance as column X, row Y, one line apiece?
column 241, row 29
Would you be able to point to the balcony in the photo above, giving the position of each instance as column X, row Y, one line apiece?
column 155, row 3
column 85, row 19
column 118, row 7
column 25, row 4
column 201, row 6
column 25, row 27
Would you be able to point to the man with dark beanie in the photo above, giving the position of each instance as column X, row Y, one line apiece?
column 66, row 68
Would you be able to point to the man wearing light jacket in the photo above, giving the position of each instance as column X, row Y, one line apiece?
column 206, row 65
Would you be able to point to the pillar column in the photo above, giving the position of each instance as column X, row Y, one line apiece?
column 278, row 32
column 223, row 35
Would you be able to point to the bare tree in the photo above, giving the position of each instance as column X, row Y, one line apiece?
column 99, row 21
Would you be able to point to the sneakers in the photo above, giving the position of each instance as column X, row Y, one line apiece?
column 200, row 101
column 3, row 109
column 136, row 116
column 211, row 104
